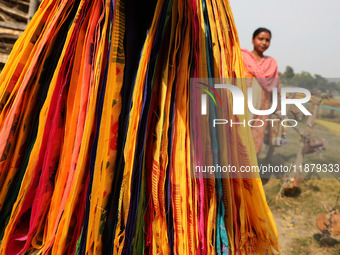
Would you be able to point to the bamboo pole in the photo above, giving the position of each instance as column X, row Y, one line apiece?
column 34, row 4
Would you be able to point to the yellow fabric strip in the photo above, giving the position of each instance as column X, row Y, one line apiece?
column 107, row 142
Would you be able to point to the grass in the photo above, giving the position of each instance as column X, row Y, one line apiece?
column 296, row 216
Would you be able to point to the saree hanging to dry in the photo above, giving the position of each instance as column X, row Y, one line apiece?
column 96, row 134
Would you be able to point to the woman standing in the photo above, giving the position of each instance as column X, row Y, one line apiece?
column 265, row 70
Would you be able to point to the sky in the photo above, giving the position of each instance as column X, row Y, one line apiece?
column 305, row 33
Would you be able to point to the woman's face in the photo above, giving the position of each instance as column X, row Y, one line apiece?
column 261, row 42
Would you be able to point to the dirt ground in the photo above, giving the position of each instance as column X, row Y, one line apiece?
column 295, row 217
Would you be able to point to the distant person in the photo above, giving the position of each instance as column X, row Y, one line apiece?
column 265, row 70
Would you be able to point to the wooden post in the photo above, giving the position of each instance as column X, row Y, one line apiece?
column 306, row 135
column 299, row 156
column 316, row 105
column 317, row 101
column 270, row 152
column 34, row 4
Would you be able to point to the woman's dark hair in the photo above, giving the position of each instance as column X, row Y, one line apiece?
column 260, row 30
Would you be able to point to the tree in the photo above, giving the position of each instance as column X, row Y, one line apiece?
column 288, row 75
